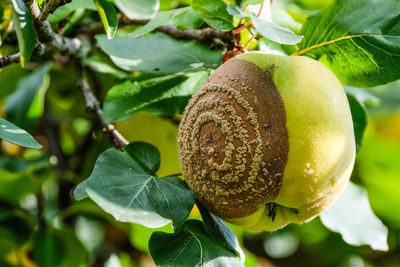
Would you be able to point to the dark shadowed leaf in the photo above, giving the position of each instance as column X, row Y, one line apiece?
column 190, row 246
column 159, row 54
column 25, row 106
column 358, row 99
column 145, row 154
column 108, row 16
column 352, row 217
column 219, row 231
column 214, row 13
column 138, row 9
column 162, row 96
column 15, row 135
column 360, row 118
column 358, row 40
column 183, row 18
column 58, row 247
column 267, row 29
column 120, row 186
column 24, row 28
column 16, row 165
column 48, row 249
column 15, row 230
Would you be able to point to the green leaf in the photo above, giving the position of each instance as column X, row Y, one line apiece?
column 48, row 249
column 159, row 54
column 138, row 9
column 63, row 11
column 108, row 16
column 190, row 246
column 361, row 47
column 378, row 169
column 16, row 165
column 58, row 247
column 15, row 231
column 352, row 217
column 120, row 186
column 358, row 98
column 360, row 118
column 76, row 17
column 162, row 96
column 220, row 232
column 99, row 65
column 24, row 28
column 139, row 235
column 214, row 13
column 25, row 106
column 9, row 78
column 15, row 135
column 363, row 96
column 15, row 187
column 267, row 29
column 145, row 154
column 183, row 18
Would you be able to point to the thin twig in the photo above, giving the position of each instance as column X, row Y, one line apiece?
column 70, row 46
column 15, row 58
column 93, row 105
column 8, row 60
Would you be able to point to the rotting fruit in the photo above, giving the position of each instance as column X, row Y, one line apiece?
column 267, row 140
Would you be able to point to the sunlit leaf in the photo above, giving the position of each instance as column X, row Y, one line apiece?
column 267, row 29
column 358, row 40
column 214, row 13
column 15, row 135
column 24, row 28
column 352, row 217
column 108, row 16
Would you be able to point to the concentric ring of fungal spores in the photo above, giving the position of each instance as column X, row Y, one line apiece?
column 226, row 152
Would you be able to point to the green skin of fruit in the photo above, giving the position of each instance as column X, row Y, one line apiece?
column 321, row 140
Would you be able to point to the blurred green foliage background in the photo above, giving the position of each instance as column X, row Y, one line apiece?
column 41, row 224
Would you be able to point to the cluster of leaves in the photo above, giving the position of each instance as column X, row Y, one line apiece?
column 145, row 68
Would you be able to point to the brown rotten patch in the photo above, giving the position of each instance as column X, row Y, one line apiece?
column 233, row 141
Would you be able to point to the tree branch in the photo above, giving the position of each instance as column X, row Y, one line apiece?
column 8, row 60
column 47, row 36
column 200, row 35
column 93, row 105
